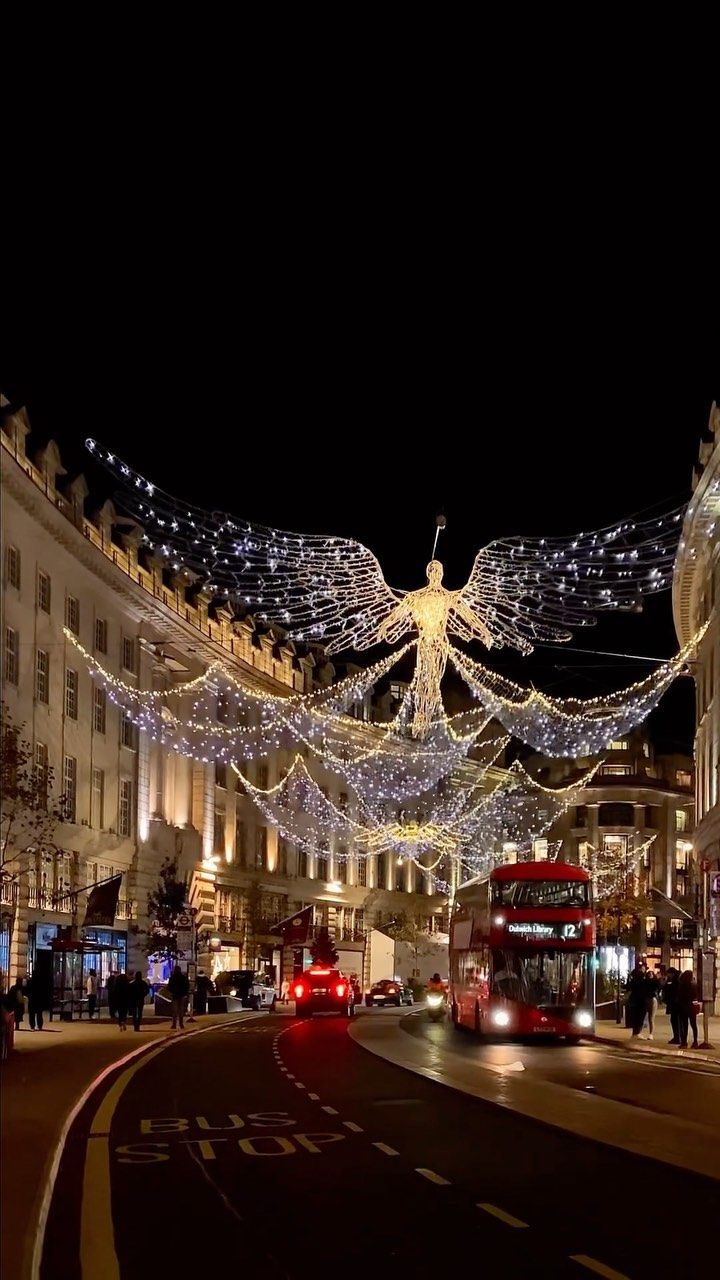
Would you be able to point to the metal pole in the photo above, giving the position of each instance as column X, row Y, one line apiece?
column 618, row 1015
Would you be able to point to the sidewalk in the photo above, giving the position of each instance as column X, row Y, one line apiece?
column 611, row 1033
column 43, row 1078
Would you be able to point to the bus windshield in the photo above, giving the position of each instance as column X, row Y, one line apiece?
column 540, row 978
column 540, row 893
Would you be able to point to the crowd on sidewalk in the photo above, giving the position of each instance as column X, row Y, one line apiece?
column 646, row 989
column 125, row 999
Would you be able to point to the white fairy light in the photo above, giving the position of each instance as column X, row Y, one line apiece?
column 521, row 591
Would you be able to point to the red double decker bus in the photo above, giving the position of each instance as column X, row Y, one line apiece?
column 522, row 946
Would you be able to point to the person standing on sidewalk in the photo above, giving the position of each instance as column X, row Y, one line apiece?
column 91, row 992
column 35, row 999
column 688, row 1007
column 179, row 987
column 652, row 991
column 670, row 996
column 122, row 998
column 138, row 991
column 112, row 1002
column 636, row 999
column 17, row 1001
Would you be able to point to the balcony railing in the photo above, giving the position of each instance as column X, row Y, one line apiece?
column 8, row 892
column 62, row 902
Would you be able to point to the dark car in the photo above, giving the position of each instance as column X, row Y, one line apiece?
column 321, row 990
column 388, row 992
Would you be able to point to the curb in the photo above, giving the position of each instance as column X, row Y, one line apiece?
column 683, row 1054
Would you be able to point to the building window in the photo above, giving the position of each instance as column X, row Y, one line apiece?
column 127, row 731
column 12, row 655
column 43, row 591
column 381, row 871
column 99, row 709
column 540, row 850
column 359, row 921
column 101, row 635
column 262, row 777
column 646, row 749
column 223, row 708
column 618, row 746
column 125, row 817
column 302, row 863
column 42, row 676
column 128, row 653
column 240, row 842
column 41, row 770
column 12, row 567
column 97, row 799
column 400, row 877
column 72, row 615
column 321, row 866
column 219, row 831
column 282, row 858
column 341, row 865
column 581, row 815
column 680, row 820
column 71, row 694
column 261, row 848
column 616, row 770
column 342, row 801
column 70, row 788
column 362, row 872
column 684, row 779
column 397, row 691
column 615, row 847
column 220, row 774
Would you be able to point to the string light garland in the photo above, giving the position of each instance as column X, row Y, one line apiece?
column 331, row 590
column 569, row 726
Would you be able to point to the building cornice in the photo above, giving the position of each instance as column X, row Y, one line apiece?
column 697, row 545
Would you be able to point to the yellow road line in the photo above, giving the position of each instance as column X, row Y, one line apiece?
column 507, row 1218
column 599, row 1268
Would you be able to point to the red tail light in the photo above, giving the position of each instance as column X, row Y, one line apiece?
column 299, row 990
column 340, row 989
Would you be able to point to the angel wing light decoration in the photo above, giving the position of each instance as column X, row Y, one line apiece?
column 331, row 590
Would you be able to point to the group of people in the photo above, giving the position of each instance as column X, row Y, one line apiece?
column 678, row 992
column 123, row 997
column 31, row 989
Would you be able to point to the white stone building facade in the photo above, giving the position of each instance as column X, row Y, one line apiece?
column 696, row 596
column 132, row 802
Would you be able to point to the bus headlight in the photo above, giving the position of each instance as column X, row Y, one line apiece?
column 500, row 1017
column 583, row 1018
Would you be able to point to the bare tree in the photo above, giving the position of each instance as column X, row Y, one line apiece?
column 30, row 814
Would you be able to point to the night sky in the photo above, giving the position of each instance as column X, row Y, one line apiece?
column 363, row 403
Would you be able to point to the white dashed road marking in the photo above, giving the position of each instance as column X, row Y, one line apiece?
column 330, row 1110
column 315, row 1097
column 502, row 1215
column 386, row 1150
column 298, row 1085
column 433, row 1177
column 354, row 1128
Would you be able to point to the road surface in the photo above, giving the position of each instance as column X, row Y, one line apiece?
column 282, row 1148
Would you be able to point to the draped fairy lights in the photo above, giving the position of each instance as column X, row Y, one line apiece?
column 378, row 761
column 569, row 726
column 331, row 590
column 457, row 828
column 611, row 865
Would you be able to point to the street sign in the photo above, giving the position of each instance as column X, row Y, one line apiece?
column 184, row 922
column 185, row 943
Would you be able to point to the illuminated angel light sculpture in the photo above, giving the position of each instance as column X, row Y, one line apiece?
column 331, row 590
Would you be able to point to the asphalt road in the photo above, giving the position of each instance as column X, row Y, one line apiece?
column 687, row 1089
column 278, row 1148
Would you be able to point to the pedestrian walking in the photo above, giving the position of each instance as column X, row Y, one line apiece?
column 17, row 1001
column 178, row 986
column 122, row 999
column 138, row 992
column 112, row 1002
column 688, row 1007
column 284, row 991
column 652, row 992
column 635, row 988
column 36, row 1002
column 91, row 992
column 670, row 996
